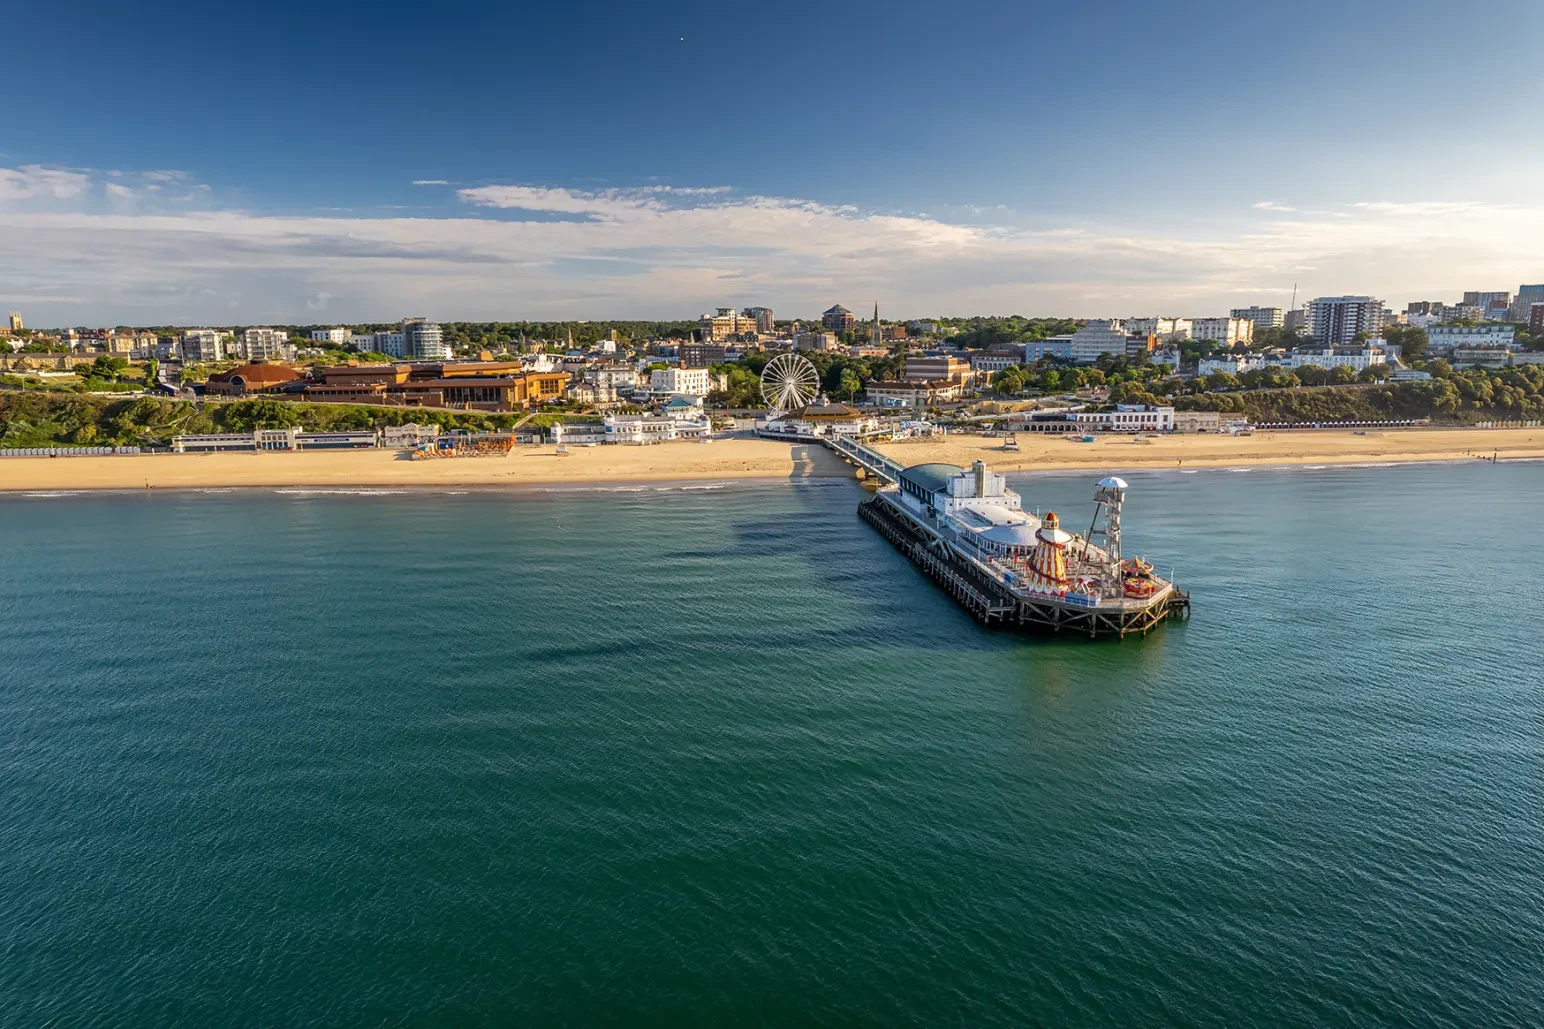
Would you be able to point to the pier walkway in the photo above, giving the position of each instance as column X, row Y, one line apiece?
column 865, row 457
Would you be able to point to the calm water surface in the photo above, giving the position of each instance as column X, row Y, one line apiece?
column 704, row 756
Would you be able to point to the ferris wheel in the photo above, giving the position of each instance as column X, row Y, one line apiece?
column 788, row 382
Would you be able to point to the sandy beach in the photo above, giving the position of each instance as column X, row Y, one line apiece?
column 1207, row 450
column 753, row 459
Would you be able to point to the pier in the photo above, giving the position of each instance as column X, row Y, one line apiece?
column 865, row 457
column 968, row 532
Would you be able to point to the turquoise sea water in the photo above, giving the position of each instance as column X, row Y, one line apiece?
column 718, row 755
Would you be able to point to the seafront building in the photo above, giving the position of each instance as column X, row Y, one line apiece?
column 1337, row 321
column 1354, row 357
column 1442, row 339
column 695, row 382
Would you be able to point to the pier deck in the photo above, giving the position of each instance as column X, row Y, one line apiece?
column 993, row 605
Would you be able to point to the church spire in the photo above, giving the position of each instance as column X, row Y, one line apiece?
column 877, row 341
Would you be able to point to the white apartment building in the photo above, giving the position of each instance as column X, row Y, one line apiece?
column 1098, row 337
column 1355, row 358
column 339, row 336
column 612, row 376
column 1223, row 330
column 1337, row 320
column 1128, row 418
column 1443, row 339
column 1232, row 364
column 694, row 382
column 422, row 340
column 266, row 345
column 1168, row 330
column 1263, row 317
column 364, row 344
column 203, row 345
column 643, row 428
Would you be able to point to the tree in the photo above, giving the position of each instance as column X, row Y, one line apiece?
column 1221, row 380
column 1374, row 373
column 1009, row 380
column 1411, row 340
column 1051, row 380
column 107, row 368
column 1342, row 374
column 850, row 383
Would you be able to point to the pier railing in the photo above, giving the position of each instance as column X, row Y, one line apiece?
column 865, row 457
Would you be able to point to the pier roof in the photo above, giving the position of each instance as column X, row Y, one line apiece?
column 932, row 476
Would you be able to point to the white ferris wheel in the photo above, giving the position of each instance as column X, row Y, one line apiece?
column 788, row 382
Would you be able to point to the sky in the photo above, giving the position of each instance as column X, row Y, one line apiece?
column 178, row 163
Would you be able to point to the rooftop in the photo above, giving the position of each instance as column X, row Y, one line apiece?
column 932, row 476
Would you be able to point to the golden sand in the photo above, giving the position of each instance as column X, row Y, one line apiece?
column 753, row 458
column 721, row 459
column 1205, row 450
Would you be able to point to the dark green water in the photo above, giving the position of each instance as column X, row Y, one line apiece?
column 720, row 756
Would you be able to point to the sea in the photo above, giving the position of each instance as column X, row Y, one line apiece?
column 715, row 754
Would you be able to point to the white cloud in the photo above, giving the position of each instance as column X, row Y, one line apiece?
column 1272, row 205
column 672, row 251
column 430, row 182
column 120, row 191
column 33, row 181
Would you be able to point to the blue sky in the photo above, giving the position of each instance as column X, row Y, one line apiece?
column 179, row 162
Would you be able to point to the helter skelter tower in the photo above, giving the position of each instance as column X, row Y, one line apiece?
column 1109, row 495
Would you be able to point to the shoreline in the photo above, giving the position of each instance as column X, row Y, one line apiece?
column 754, row 459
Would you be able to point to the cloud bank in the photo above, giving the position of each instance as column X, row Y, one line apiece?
column 155, row 247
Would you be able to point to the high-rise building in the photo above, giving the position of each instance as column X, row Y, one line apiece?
column 422, row 340
column 1337, row 320
column 1263, row 317
column 762, row 317
column 1522, row 304
column 339, row 336
column 1098, row 337
column 203, row 345
column 1492, row 305
column 838, row 318
column 1536, row 318
column 265, row 344
column 16, row 325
